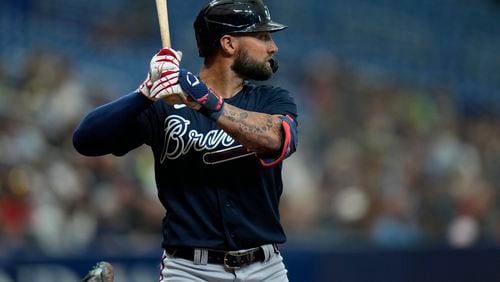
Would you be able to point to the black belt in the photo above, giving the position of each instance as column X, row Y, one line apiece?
column 230, row 259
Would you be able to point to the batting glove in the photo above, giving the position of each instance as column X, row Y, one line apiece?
column 211, row 103
column 167, row 60
column 168, row 84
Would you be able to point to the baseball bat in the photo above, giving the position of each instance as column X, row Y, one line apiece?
column 162, row 11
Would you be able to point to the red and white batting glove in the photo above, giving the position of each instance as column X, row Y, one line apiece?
column 168, row 84
column 163, row 63
column 166, row 60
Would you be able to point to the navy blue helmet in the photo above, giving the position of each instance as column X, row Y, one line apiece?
column 220, row 17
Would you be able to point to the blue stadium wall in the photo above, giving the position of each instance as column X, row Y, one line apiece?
column 438, row 265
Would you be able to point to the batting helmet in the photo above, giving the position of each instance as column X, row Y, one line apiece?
column 220, row 17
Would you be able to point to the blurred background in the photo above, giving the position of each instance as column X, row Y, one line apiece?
column 397, row 173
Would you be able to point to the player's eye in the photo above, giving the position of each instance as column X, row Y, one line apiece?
column 264, row 36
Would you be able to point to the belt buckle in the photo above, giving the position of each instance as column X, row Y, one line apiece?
column 226, row 260
column 238, row 260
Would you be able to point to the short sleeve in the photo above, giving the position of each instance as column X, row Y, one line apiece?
column 279, row 101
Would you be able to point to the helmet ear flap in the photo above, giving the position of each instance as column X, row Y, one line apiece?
column 208, row 31
column 202, row 36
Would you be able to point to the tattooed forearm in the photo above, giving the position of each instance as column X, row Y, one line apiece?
column 241, row 118
column 258, row 132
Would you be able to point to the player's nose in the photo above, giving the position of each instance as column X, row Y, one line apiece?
column 273, row 48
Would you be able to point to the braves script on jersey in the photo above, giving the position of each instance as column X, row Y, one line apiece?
column 216, row 193
column 179, row 141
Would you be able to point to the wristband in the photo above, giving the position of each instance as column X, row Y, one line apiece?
column 211, row 103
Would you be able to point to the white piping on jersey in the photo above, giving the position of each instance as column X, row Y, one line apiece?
column 179, row 106
column 215, row 153
column 175, row 145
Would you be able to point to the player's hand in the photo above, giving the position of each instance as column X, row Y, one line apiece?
column 167, row 60
column 168, row 84
column 210, row 102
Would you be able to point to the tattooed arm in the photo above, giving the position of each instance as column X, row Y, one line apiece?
column 258, row 132
column 261, row 133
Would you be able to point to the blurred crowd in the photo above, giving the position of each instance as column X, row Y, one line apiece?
column 380, row 163
column 53, row 200
column 383, row 163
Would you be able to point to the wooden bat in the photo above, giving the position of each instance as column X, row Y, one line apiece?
column 162, row 11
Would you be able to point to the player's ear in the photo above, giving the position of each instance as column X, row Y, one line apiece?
column 229, row 44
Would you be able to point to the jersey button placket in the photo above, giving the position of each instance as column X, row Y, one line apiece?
column 229, row 206
column 230, row 216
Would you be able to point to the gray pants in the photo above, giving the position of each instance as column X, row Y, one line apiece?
column 271, row 269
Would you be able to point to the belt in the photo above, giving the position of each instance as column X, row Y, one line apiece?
column 230, row 259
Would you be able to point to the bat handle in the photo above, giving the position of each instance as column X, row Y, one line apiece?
column 162, row 11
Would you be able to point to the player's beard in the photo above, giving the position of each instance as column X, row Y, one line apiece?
column 249, row 68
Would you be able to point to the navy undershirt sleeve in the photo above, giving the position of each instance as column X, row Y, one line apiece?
column 113, row 128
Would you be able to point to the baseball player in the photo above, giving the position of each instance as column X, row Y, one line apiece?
column 218, row 157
